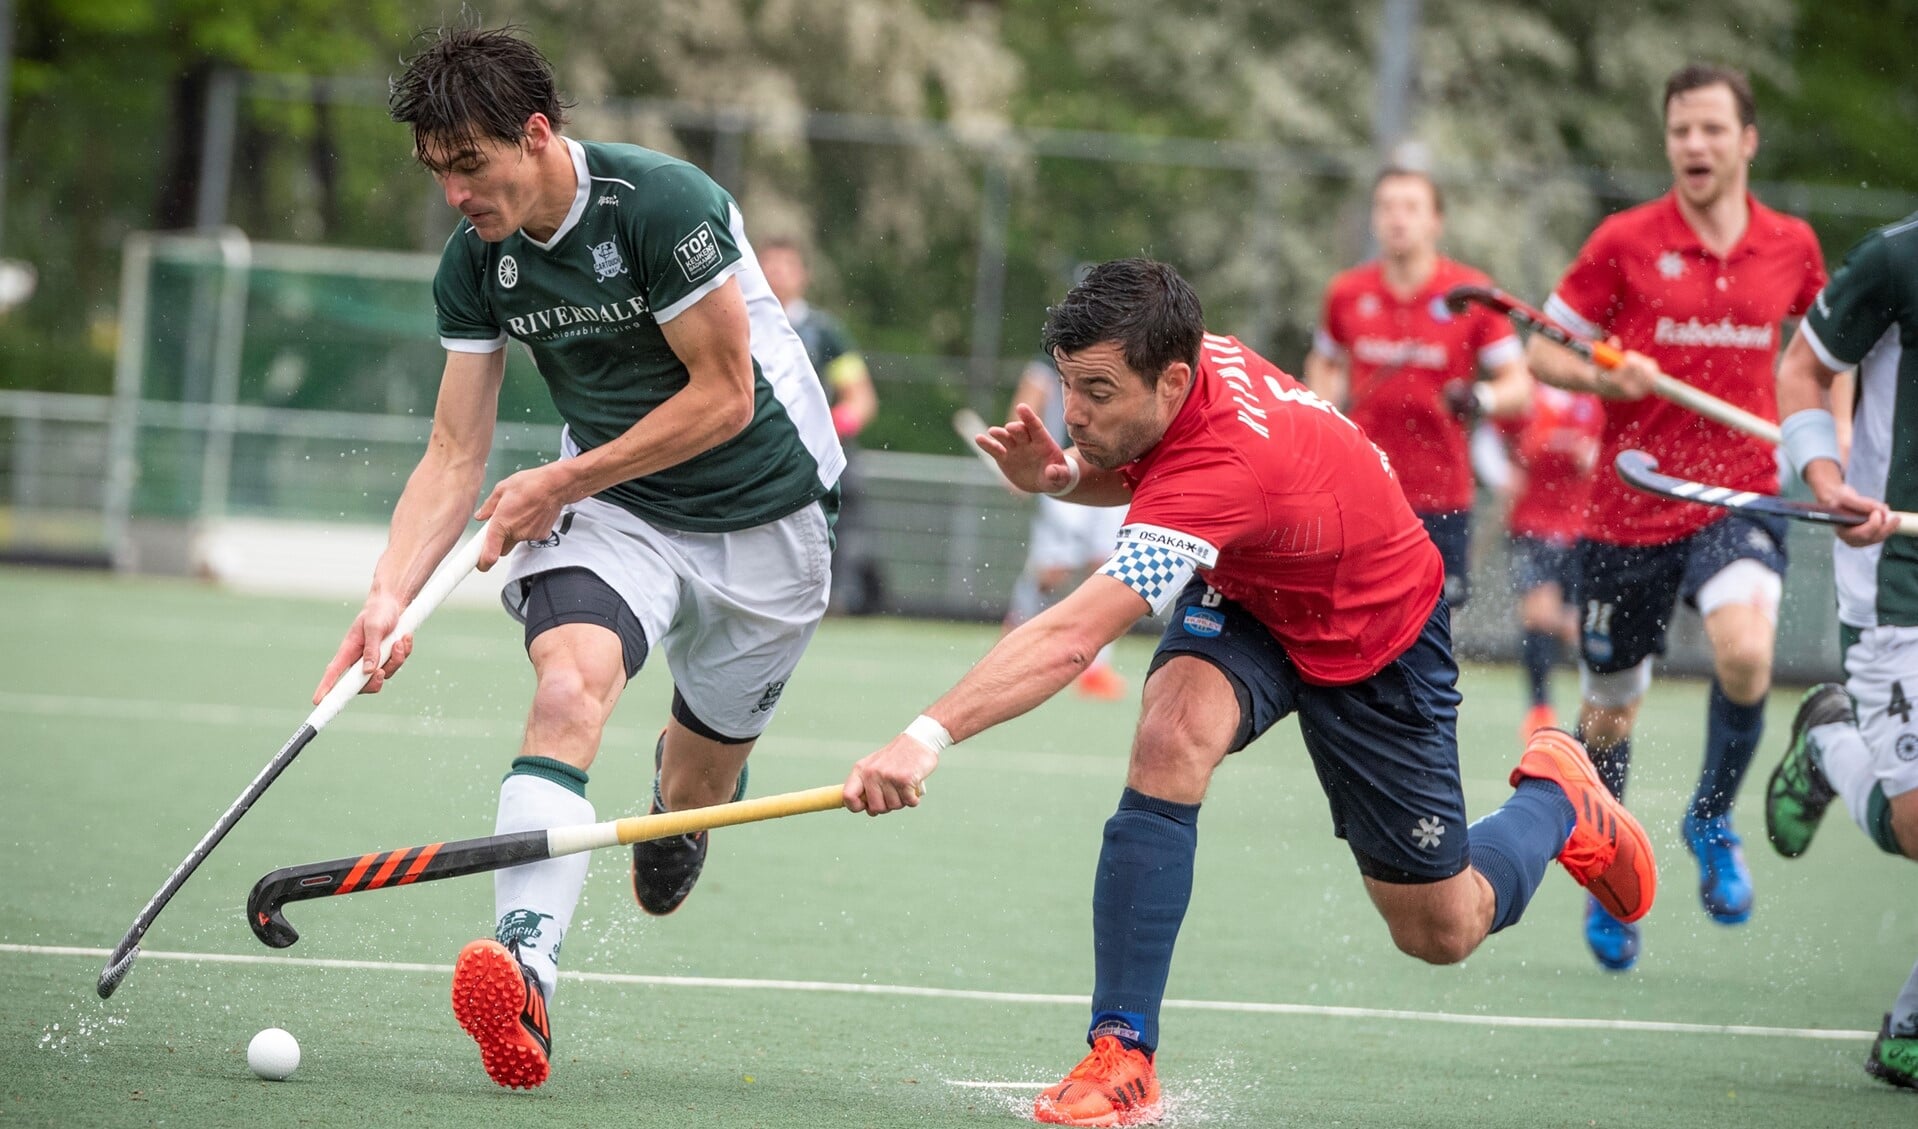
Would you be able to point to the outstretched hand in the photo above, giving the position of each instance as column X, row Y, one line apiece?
column 1027, row 454
column 892, row 778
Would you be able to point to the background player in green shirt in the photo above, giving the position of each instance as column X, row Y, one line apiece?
column 858, row 584
column 689, row 510
column 1859, row 742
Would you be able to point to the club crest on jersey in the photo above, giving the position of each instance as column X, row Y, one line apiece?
column 1441, row 313
column 1368, row 305
column 1671, row 264
column 1906, row 747
column 508, row 272
column 606, row 261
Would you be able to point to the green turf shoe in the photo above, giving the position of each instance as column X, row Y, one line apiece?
column 1798, row 794
column 1893, row 1059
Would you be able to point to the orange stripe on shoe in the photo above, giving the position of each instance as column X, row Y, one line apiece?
column 419, row 864
column 353, row 876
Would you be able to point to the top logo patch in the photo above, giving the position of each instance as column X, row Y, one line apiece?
column 606, row 260
column 698, row 253
column 1671, row 264
column 508, row 272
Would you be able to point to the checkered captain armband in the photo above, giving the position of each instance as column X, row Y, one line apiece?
column 1153, row 571
column 1808, row 435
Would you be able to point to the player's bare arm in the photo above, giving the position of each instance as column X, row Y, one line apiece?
column 1032, row 460
column 711, row 339
column 430, row 514
column 1329, row 378
column 1035, row 661
column 1560, row 367
column 1804, row 385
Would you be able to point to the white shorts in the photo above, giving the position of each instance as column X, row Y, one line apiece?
column 1881, row 673
column 1068, row 535
column 732, row 611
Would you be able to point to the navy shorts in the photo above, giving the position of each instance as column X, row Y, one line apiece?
column 1451, row 531
column 1386, row 749
column 1537, row 562
column 1628, row 593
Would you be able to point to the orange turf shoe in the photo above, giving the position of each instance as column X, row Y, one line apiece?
column 1101, row 683
column 498, row 1001
column 1608, row 852
column 1541, row 716
column 1112, row 1086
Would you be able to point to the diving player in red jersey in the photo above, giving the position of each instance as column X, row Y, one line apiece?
column 1694, row 283
column 1405, row 368
column 1303, row 583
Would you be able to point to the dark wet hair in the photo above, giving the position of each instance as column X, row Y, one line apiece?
column 1142, row 306
column 467, row 84
column 1394, row 172
column 1697, row 76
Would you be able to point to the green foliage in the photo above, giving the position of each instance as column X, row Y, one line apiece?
column 107, row 98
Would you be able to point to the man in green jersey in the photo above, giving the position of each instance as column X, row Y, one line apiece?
column 858, row 582
column 689, row 509
column 1859, row 742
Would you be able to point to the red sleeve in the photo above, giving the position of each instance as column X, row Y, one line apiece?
column 1814, row 275
column 1198, row 498
column 1592, row 284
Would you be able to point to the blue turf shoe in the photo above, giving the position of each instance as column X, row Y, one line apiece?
column 1724, row 881
column 1613, row 942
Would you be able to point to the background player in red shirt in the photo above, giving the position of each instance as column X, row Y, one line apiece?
column 1404, row 367
column 1694, row 283
column 1555, row 444
column 1303, row 584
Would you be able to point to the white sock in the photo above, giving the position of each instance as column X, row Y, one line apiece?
column 1904, row 1013
column 533, row 903
column 1846, row 759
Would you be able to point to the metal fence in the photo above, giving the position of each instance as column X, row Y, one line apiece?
column 295, row 384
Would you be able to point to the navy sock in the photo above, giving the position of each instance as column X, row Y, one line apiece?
column 1612, row 762
column 1138, row 902
column 1511, row 846
column 1732, row 733
column 1539, row 650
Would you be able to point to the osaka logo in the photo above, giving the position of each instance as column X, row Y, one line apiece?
column 1203, row 623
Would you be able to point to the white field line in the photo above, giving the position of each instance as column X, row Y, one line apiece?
column 916, row 992
column 839, row 750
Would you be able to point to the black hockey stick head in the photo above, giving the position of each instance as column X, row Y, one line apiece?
column 1640, row 471
column 1459, row 297
column 265, row 905
column 118, row 965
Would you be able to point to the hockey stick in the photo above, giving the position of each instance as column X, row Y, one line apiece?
column 1640, row 472
column 445, row 578
column 1606, row 356
column 968, row 424
column 383, row 869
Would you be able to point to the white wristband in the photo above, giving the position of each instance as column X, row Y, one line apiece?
column 1072, row 483
column 1810, row 435
column 928, row 732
